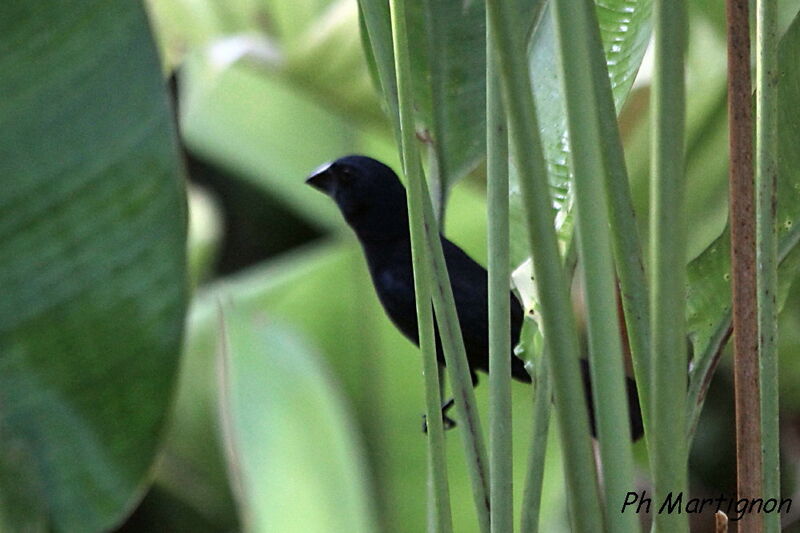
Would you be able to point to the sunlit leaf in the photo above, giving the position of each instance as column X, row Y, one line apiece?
column 288, row 289
column 625, row 29
column 294, row 462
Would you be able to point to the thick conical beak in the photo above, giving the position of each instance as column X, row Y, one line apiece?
column 322, row 178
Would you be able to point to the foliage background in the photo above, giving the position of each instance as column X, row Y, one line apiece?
column 267, row 90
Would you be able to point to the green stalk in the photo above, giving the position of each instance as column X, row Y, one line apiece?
column 436, row 14
column 500, row 438
column 439, row 514
column 455, row 355
column 542, row 400
column 532, row 498
column 557, row 319
column 439, row 492
column 624, row 235
column 766, row 244
column 424, row 224
column 668, row 279
column 440, row 504
column 576, row 24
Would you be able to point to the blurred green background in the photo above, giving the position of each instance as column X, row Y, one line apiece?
column 297, row 405
column 294, row 92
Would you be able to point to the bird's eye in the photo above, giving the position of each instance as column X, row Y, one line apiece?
column 346, row 175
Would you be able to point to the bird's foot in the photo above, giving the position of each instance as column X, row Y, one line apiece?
column 447, row 422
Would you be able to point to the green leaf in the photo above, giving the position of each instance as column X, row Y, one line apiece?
column 625, row 28
column 92, row 257
column 714, row 12
column 193, row 464
column 328, row 61
column 461, row 41
column 183, row 26
column 287, row 19
column 293, row 458
column 709, row 303
column 706, row 205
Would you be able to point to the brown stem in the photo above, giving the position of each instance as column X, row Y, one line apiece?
column 743, row 262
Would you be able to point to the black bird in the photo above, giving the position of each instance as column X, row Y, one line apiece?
column 373, row 202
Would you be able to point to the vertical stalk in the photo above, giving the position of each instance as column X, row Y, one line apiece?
column 439, row 513
column 424, row 224
column 576, row 24
column 439, row 491
column 743, row 263
column 458, row 367
column 542, row 401
column 766, row 244
column 437, row 54
column 668, row 263
column 437, row 463
column 532, row 498
column 558, row 322
column 500, row 439
column 627, row 247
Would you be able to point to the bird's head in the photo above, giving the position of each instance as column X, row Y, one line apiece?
column 369, row 195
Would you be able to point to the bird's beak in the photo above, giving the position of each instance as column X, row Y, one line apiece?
column 322, row 178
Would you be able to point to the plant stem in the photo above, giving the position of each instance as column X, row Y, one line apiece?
column 668, row 286
column 743, row 263
column 458, row 367
column 542, row 400
column 436, row 14
column 422, row 216
column 577, row 33
column 625, row 240
column 558, row 322
column 500, row 437
column 766, row 245
column 532, row 497
column 440, row 506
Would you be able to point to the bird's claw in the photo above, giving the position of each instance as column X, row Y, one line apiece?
column 447, row 422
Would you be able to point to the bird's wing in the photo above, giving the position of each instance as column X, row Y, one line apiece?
column 393, row 278
column 469, row 280
column 470, row 291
